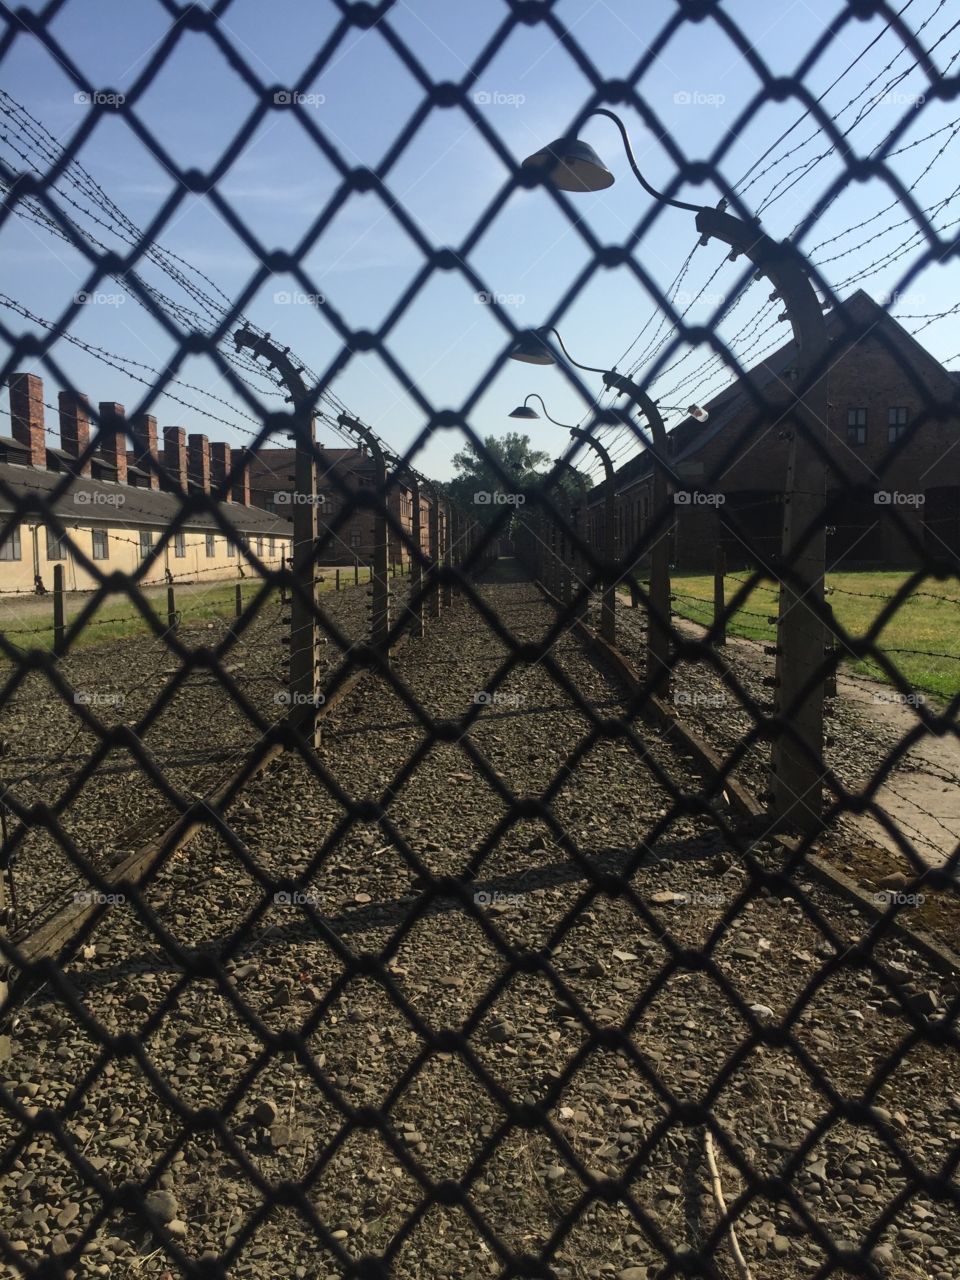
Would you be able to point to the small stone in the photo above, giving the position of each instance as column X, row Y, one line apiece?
column 265, row 1113
column 177, row 1227
column 633, row 1273
column 923, row 1003
column 68, row 1214
column 500, row 1033
column 163, row 1204
column 280, row 1135
column 897, row 880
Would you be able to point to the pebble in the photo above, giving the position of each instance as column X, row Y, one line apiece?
column 68, row 1214
column 163, row 1204
column 265, row 1113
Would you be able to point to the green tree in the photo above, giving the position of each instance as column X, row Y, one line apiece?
column 476, row 485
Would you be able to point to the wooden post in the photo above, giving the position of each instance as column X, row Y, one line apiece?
column 172, row 608
column 435, row 552
column 338, row 580
column 830, row 682
column 5, row 920
column 356, row 574
column 239, row 601
column 447, row 553
column 416, row 568
column 58, row 609
column 283, row 576
column 719, row 600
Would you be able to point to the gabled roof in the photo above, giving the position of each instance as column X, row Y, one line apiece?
column 140, row 506
column 846, row 321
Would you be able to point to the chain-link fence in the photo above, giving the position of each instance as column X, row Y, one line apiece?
column 510, row 875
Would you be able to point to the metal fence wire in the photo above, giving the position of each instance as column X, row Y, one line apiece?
column 505, row 905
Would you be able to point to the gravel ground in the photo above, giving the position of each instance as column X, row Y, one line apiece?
column 854, row 747
column 373, row 964
column 198, row 737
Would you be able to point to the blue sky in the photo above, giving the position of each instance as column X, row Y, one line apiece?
column 528, row 92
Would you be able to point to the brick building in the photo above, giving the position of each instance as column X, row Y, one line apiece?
column 893, row 429
column 348, row 538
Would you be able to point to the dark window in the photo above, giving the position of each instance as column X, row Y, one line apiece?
column 101, row 548
column 179, row 545
column 231, row 548
column 11, row 548
column 260, row 544
column 56, row 546
column 856, row 426
column 896, row 423
column 354, row 540
column 146, row 543
column 272, row 546
column 211, row 544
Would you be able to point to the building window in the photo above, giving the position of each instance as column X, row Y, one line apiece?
column 354, row 540
column 101, row 549
column 56, row 545
column 146, row 543
column 11, row 548
column 231, row 548
column 211, row 544
column 180, row 545
column 856, row 426
column 260, row 544
column 272, row 546
column 896, row 423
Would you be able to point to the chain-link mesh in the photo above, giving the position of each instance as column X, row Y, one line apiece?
column 537, row 885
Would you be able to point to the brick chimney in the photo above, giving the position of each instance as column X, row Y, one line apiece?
column 113, row 438
column 241, row 485
column 143, row 428
column 198, row 459
column 219, row 465
column 75, row 427
column 175, row 457
column 26, row 415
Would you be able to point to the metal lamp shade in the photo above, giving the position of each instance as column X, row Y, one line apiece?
column 523, row 411
column 571, row 165
column 532, row 349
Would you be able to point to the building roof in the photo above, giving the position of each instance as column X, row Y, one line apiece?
column 95, row 501
column 688, row 437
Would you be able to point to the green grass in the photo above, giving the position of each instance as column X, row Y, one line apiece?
column 921, row 624
column 27, row 621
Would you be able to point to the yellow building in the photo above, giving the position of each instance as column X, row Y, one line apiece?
column 113, row 506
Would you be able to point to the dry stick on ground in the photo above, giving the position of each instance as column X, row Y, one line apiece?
column 717, row 1189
